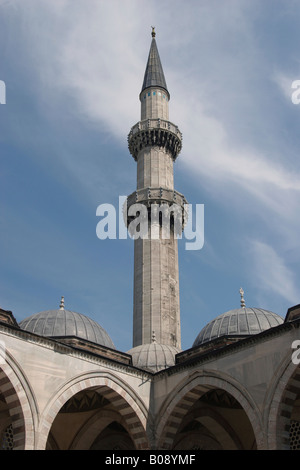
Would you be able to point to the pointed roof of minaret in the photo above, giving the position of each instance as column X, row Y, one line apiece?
column 154, row 74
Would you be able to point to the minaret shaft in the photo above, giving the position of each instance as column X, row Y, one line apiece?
column 155, row 143
column 154, row 169
column 156, row 292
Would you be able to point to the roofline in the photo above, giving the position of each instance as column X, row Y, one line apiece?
column 198, row 357
column 65, row 348
column 194, row 353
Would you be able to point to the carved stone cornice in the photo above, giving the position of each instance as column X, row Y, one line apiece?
column 111, row 362
column 6, row 316
column 155, row 132
column 150, row 196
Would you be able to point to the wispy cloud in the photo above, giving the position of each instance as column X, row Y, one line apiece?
column 272, row 274
column 96, row 57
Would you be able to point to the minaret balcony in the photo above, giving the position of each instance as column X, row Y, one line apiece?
column 155, row 132
column 155, row 198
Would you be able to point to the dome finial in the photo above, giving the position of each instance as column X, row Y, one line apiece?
column 62, row 303
column 242, row 298
column 153, row 337
column 153, row 31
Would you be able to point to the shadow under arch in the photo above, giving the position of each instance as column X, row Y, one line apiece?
column 21, row 407
column 189, row 391
column 114, row 389
column 94, row 426
column 223, row 433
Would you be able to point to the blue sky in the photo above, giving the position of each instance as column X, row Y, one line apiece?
column 73, row 70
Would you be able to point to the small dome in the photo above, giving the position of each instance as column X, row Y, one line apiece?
column 59, row 323
column 153, row 357
column 243, row 321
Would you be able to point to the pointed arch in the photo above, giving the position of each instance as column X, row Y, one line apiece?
column 190, row 390
column 121, row 396
column 281, row 398
column 19, row 406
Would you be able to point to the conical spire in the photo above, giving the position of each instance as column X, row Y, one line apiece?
column 154, row 74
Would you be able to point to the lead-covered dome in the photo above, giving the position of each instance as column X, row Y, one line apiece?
column 153, row 356
column 239, row 322
column 65, row 323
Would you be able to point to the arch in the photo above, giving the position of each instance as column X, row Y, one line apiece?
column 188, row 392
column 122, row 397
column 281, row 399
column 12, row 389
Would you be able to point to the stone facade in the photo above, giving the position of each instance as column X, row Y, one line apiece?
column 244, row 395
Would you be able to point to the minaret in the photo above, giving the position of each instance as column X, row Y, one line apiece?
column 154, row 142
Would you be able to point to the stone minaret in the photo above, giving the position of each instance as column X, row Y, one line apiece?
column 154, row 142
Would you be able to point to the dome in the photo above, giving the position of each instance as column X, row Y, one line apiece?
column 61, row 322
column 153, row 357
column 243, row 321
